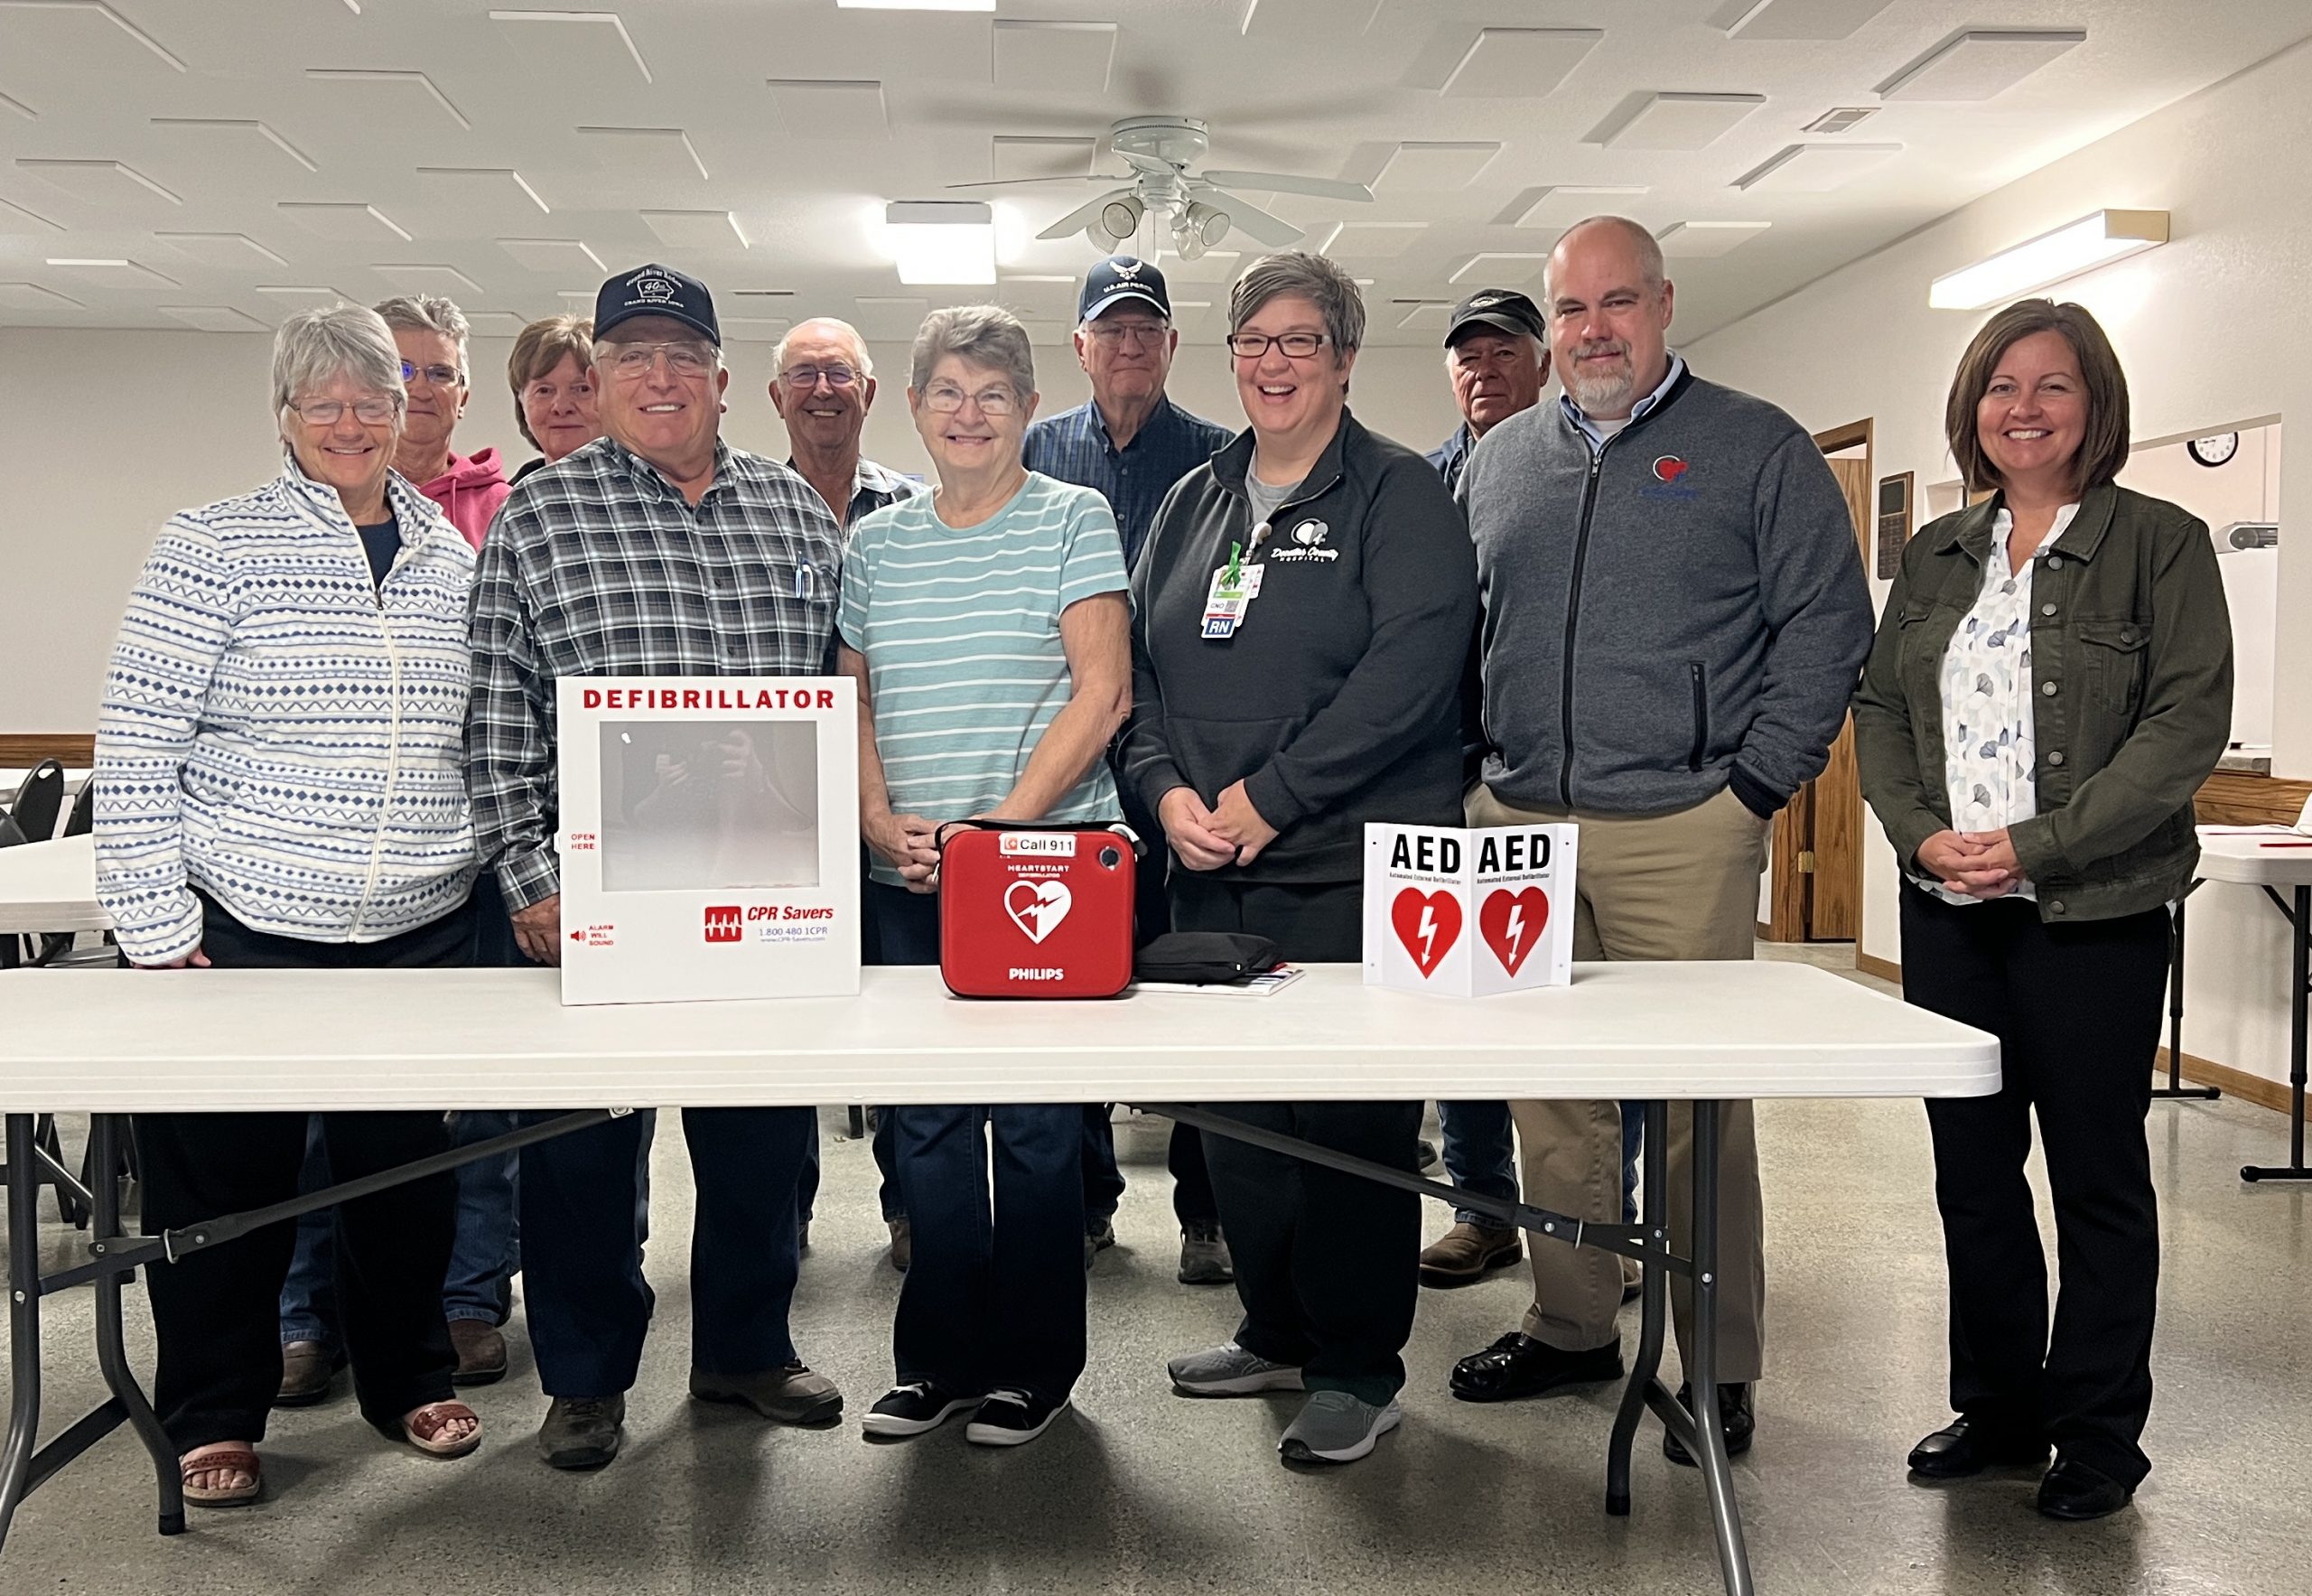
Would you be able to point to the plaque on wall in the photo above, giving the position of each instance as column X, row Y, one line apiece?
column 1894, row 523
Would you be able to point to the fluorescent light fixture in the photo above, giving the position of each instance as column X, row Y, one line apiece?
column 915, row 4
column 940, row 241
column 2078, row 247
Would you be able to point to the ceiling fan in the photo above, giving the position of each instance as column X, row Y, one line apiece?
column 1160, row 150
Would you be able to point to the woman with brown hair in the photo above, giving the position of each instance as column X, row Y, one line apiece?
column 552, row 374
column 2052, row 681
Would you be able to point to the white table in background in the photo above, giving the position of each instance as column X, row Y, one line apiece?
column 51, row 887
column 214, row 1040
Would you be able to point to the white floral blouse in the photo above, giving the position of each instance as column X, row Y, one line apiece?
column 1990, row 758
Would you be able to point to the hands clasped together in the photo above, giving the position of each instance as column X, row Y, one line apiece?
column 1980, row 864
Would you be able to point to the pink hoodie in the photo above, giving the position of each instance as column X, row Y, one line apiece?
column 470, row 492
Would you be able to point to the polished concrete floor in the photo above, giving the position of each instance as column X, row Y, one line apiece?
column 1139, row 1491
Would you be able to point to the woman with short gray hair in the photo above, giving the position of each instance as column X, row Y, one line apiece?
column 985, row 624
column 280, row 784
column 1303, row 610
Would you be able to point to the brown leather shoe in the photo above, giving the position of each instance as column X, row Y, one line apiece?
column 307, row 1370
column 1467, row 1254
column 792, row 1395
column 481, row 1352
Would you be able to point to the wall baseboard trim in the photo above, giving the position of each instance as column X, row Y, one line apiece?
column 2232, row 1083
column 1886, row 969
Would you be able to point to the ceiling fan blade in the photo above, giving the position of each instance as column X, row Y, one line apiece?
column 1010, row 182
column 1256, row 224
column 1078, row 219
column 1280, row 183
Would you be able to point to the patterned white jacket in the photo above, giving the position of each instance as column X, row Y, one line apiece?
column 281, row 733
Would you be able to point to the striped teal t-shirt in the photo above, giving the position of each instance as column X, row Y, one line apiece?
column 960, row 628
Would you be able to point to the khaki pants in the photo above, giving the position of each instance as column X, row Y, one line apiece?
column 1681, row 886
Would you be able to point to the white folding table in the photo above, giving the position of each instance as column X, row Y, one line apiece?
column 120, row 1042
column 50, row 886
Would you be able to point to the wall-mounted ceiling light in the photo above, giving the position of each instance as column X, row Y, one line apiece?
column 942, row 240
column 2078, row 247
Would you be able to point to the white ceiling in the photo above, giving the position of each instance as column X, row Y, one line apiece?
column 223, row 161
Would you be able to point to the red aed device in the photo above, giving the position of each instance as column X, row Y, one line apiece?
column 1036, row 911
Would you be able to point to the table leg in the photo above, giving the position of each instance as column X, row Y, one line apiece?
column 1710, row 1424
column 2300, row 986
column 24, row 1319
column 112, row 1355
column 1645, row 1387
column 2176, row 1087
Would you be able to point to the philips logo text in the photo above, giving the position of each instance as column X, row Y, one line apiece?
column 1016, row 973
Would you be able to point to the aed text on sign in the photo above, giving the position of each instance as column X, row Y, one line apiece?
column 1435, row 853
column 709, row 698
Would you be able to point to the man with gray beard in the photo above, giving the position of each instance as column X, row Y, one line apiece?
column 1674, row 612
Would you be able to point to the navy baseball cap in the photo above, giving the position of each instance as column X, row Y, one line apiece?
column 1495, row 310
column 656, row 291
column 1117, row 279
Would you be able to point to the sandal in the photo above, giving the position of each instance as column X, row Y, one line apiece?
column 423, row 1427
column 227, row 1460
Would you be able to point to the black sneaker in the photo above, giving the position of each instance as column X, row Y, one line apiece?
column 914, row 1408
column 1012, row 1417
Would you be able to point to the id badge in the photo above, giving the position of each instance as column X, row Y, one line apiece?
column 1226, row 605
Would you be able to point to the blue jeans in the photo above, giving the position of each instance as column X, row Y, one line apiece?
column 1480, row 1153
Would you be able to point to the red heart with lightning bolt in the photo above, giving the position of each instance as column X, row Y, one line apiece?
column 1428, row 924
column 1511, row 923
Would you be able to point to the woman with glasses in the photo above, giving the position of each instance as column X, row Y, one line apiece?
column 431, row 333
column 1302, row 611
column 552, row 374
column 985, row 624
column 280, row 783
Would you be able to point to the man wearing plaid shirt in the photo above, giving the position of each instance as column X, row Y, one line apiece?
column 657, row 550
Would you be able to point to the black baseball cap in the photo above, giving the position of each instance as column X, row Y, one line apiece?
column 1495, row 310
column 656, row 291
column 1118, row 278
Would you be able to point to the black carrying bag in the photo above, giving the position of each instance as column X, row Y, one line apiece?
column 1200, row 958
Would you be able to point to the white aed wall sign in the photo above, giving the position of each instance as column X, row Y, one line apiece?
column 710, row 837
column 1469, row 914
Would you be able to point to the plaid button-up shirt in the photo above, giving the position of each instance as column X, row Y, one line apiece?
column 600, row 567
column 1074, row 447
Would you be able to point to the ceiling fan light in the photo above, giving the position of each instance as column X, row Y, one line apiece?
column 1120, row 217
column 1207, row 223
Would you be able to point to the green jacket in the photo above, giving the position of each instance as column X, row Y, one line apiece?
column 2131, row 667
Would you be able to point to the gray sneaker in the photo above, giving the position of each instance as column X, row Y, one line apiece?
column 1203, row 1257
column 1228, row 1370
column 1335, row 1427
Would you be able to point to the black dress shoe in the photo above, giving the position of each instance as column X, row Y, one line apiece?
column 1519, row 1366
column 2078, row 1491
column 1968, row 1446
column 1733, row 1408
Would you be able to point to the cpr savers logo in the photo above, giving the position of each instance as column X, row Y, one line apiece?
column 1036, row 906
column 722, row 923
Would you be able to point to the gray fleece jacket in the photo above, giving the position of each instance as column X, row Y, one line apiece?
column 1681, row 610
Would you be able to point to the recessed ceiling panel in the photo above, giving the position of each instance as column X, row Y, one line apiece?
column 212, row 318
column 754, row 329
column 1215, row 265
column 1419, row 168
column 113, row 273
column 238, row 139
column 1559, row 207
column 560, row 257
column 86, row 31
column 1520, row 63
column 32, row 296
column 644, row 154
column 1012, row 156
column 232, row 251
column 1043, row 298
column 428, row 279
column 495, row 323
column 1981, row 63
column 460, row 194
column 1502, row 268
column 883, row 318
column 1702, row 241
column 574, row 49
column 1054, row 58
column 1299, row 19
column 111, row 185
column 1419, row 313
column 345, row 221
column 9, row 103
column 390, row 92
column 16, row 219
column 297, row 295
column 1675, row 121
column 1795, row 19
column 696, row 229
column 831, row 107
column 1363, row 240
column 1815, row 169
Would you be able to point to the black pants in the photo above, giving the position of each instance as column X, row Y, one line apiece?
column 1327, row 1263
column 2076, row 1011
column 216, row 1313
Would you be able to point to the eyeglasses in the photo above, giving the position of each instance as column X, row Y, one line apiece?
column 1298, row 346
column 803, row 378
column 946, row 398
column 1106, row 331
column 684, row 359
column 439, row 376
column 329, row 412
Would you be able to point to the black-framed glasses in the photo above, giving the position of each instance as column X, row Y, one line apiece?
column 946, row 398
column 803, row 378
column 1297, row 346
column 372, row 412
column 439, row 376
